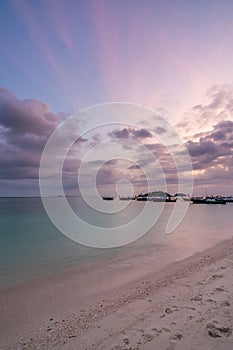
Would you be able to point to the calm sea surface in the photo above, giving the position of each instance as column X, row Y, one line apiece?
column 31, row 246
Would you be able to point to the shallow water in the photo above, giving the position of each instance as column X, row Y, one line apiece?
column 31, row 246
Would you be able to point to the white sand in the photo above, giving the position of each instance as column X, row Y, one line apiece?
column 187, row 305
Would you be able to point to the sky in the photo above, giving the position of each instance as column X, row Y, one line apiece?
column 59, row 57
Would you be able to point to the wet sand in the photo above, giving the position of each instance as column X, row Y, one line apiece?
column 184, row 305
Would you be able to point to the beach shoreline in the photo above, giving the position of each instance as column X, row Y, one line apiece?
column 185, row 302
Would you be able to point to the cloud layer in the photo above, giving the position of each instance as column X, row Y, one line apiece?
column 25, row 126
column 218, row 107
column 212, row 155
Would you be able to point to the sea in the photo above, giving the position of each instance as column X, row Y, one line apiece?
column 32, row 247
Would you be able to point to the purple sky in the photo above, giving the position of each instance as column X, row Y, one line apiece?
column 58, row 57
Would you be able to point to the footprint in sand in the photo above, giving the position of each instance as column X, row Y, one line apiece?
column 220, row 289
column 225, row 303
column 170, row 310
column 126, row 341
column 217, row 275
column 201, row 283
column 166, row 330
column 156, row 331
column 148, row 337
column 176, row 337
column 160, row 331
column 197, row 297
column 212, row 301
column 216, row 331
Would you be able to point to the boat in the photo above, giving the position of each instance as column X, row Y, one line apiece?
column 107, row 198
column 228, row 199
column 169, row 199
column 208, row 200
column 142, row 198
column 156, row 196
column 215, row 200
column 129, row 198
column 160, row 196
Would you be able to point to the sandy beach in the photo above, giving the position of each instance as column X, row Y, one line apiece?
column 185, row 305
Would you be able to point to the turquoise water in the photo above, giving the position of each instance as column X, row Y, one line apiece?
column 31, row 246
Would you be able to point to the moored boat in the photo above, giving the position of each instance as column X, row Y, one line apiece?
column 142, row 198
column 164, row 199
column 208, row 200
column 129, row 198
column 156, row 196
column 228, row 199
column 107, row 198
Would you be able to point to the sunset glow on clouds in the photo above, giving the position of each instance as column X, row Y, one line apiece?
column 58, row 57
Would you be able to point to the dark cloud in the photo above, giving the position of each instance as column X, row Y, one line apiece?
column 130, row 133
column 141, row 134
column 218, row 135
column 123, row 133
column 202, row 148
column 222, row 131
column 95, row 140
column 211, row 149
column 25, row 126
column 26, row 117
column 214, row 149
column 160, row 130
